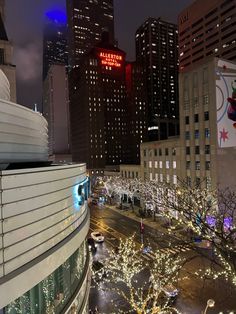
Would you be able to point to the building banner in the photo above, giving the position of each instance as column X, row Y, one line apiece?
column 226, row 103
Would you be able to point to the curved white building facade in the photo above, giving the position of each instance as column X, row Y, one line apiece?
column 44, row 262
column 44, row 219
column 23, row 132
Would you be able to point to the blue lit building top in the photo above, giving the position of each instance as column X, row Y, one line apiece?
column 57, row 16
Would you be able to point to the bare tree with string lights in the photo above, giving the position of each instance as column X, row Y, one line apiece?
column 203, row 213
column 122, row 276
column 209, row 215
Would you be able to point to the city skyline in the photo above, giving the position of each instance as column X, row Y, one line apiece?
column 26, row 35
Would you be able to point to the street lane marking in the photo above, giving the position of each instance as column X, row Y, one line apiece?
column 117, row 235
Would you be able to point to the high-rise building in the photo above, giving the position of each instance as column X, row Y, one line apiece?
column 87, row 20
column 137, row 112
column 98, row 109
column 207, row 28
column 6, row 52
column 56, row 110
column 55, row 50
column 55, row 85
column 157, row 52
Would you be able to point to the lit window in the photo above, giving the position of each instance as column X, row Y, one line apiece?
column 197, row 165
column 160, row 164
column 207, row 133
column 175, row 179
column 150, row 164
column 174, row 164
column 167, row 178
column 156, row 164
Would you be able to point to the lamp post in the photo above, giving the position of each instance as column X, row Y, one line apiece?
column 210, row 303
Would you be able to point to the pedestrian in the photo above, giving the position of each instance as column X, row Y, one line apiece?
column 96, row 310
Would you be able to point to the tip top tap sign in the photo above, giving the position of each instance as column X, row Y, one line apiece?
column 111, row 59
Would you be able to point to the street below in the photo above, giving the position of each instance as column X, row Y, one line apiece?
column 193, row 291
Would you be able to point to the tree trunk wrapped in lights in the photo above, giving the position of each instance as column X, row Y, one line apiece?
column 121, row 275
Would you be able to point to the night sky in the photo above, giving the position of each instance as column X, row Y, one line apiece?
column 24, row 20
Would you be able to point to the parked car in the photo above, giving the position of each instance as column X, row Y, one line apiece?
column 92, row 245
column 97, row 236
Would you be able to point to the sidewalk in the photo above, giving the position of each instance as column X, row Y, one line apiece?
column 158, row 224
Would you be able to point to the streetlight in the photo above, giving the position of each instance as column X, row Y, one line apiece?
column 210, row 303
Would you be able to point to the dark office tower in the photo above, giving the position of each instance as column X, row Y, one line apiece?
column 136, row 110
column 87, row 20
column 2, row 6
column 98, row 109
column 157, row 51
column 207, row 28
column 55, row 50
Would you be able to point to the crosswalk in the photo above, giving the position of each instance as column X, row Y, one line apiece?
column 173, row 250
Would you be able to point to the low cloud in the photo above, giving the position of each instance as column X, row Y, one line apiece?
column 28, row 61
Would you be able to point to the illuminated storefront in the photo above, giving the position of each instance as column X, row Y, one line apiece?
column 53, row 293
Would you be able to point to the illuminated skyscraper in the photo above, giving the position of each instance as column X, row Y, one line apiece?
column 98, row 109
column 54, row 40
column 87, row 20
column 157, row 52
column 136, row 110
column 207, row 28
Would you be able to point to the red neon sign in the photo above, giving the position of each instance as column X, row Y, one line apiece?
column 110, row 59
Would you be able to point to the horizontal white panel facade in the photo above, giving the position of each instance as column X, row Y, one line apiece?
column 34, row 246
column 16, row 178
column 1, row 256
column 35, row 191
column 1, row 270
column 24, row 281
column 39, row 210
column 23, row 132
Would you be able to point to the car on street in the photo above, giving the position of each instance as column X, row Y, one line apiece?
column 92, row 245
column 170, row 294
column 97, row 236
column 147, row 249
column 170, row 290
